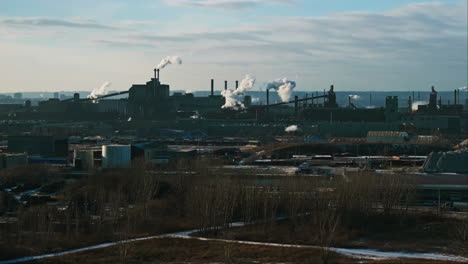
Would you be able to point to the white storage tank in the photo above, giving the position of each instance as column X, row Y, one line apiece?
column 116, row 156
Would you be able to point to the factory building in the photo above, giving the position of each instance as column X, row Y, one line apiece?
column 43, row 146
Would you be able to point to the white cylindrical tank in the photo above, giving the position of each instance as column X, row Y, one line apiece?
column 116, row 156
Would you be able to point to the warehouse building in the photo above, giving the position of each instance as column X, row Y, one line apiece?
column 43, row 146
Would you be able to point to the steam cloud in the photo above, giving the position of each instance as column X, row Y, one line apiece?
column 463, row 88
column 284, row 87
column 176, row 60
column 415, row 105
column 355, row 96
column 103, row 90
column 234, row 97
column 291, row 129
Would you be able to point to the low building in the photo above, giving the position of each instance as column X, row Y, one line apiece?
column 10, row 160
column 387, row 137
column 43, row 146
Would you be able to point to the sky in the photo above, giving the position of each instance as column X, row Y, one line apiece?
column 360, row 45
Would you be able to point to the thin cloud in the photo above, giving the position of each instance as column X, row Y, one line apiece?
column 49, row 22
column 227, row 4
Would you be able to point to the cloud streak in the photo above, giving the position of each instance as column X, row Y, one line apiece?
column 415, row 44
column 227, row 4
column 49, row 22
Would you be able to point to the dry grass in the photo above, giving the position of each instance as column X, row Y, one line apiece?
column 193, row 251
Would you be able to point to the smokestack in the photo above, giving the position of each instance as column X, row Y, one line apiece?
column 455, row 97
column 225, row 85
column 410, row 104
column 212, row 87
column 349, row 101
column 268, row 97
column 156, row 74
column 237, row 84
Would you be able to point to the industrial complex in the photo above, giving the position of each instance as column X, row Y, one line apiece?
column 63, row 155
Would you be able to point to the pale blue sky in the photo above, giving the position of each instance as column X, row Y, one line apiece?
column 357, row 45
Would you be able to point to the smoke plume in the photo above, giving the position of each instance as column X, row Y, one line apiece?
column 416, row 104
column 284, row 87
column 463, row 88
column 234, row 97
column 355, row 96
column 169, row 60
column 291, row 129
column 103, row 90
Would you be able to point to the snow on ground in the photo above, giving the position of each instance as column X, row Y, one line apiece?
column 354, row 253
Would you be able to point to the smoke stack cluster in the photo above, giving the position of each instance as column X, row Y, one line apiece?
column 234, row 97
column 284, row 87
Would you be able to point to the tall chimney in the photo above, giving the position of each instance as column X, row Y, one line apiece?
column 212, row 87
column 455, row 97
column 237, row 84
column 268, row 97
column 225, row 85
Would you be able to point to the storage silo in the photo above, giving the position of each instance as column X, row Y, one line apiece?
column 116, row 156
column 83, row 159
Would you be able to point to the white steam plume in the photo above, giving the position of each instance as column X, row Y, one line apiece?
column 234, row 97
column 176, row 60
column 284, row 87
column 103, row 90
column 416, row 104
column 463, row 88
column 291, row 129
column 355, row 96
